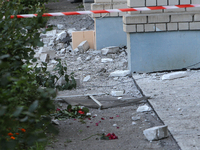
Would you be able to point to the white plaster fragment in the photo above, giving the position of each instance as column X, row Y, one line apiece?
column 117, row 93
column 174, row 75
column 104, row 60
column 144, row 108
column 156, row 133
column 120, row 73
column 87, row 78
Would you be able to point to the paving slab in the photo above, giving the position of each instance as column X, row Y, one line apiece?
column 177, row 103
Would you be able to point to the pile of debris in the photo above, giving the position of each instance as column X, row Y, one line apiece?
column 96, row 71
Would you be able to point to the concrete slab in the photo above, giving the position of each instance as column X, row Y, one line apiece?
column 177, row 104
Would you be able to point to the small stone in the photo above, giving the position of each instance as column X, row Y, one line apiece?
column 97, row 59
column 79, row 60
column 63, row 51
column 59, row 46
column 88, row 58
column 114, row 125
column 110, row 50
column 156, row 133
column 116, row 78
column 117, row 93
column 143, row 108
column 133, row 123
column 55, row 122
column 120, row 73
column 104, row 60
column 88, row 114
column 78, row 82
column 87, row 78
column 135, row 118
column 44, row 57
column 174, row 75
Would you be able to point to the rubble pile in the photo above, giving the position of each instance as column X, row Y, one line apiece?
column 97, row 71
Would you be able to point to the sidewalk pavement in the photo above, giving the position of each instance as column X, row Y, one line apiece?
column 177, row 103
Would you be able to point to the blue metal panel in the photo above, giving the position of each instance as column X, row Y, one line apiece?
column 109, row 32
column 160, row 51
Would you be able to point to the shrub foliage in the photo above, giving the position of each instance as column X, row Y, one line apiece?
column 24, row 105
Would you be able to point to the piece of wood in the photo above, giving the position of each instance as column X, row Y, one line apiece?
column 96, row 101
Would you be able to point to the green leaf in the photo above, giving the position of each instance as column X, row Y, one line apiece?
column 33, row 106
column 2, row 110
column 34, row 60
column 86, row 110
column 24, row 119
column 18, row 111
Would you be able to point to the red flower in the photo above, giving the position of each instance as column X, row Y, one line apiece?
column 117, row 127
column 93, row 116
column 12, row 137
column 17, row 133
column 96, row 124
column 112, row 136
column 57, row 109
column 111, row 117
column 23, row 130
column 102, row 119
column 89, row 118
column 10, row 134
column 117, row 116
column 81, row 112
column 88, row 126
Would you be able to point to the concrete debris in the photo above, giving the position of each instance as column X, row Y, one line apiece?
column 87, row 78
column 61, row 35
column 61, row 81
column 135, row 118
column 156, row 133
column 60, row 26
column 97, row 59
column 78, row 82
column 144, row 108
column 79, row 59
column 120, row 73
column 174, row 75
column 105, row 60
column 117, row 93
column 55, row 121
column 44, row 57
column 69, row 31
column 51, row 33
column 63, row 51
column 110, row 50
column 83, row 46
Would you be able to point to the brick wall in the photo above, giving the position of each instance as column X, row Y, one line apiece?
column 109, row 4
column 162, row 20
